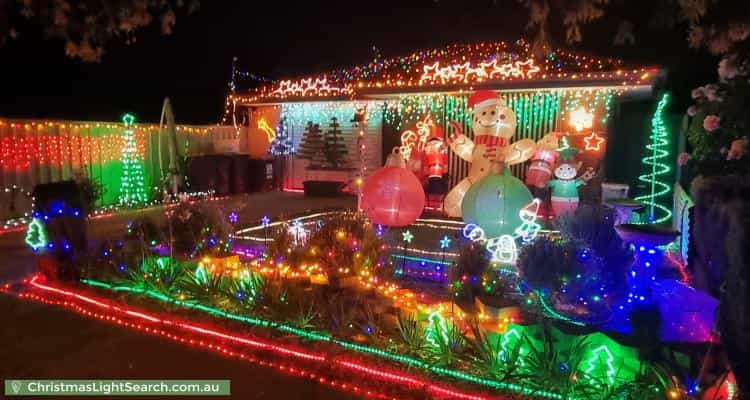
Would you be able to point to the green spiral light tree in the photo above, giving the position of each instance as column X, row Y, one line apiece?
column 656, row 168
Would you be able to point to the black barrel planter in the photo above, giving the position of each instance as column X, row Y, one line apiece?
column 323, row 188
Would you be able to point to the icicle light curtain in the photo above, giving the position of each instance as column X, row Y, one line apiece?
column 34, row 152
column 538, row 112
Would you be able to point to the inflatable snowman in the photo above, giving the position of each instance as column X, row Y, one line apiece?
column 493, row 123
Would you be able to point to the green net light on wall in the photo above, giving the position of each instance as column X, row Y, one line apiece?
column 656, row 163
column 132, row 186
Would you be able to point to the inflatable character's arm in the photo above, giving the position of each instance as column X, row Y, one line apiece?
column 460, row 143
column 550, row 141
column 586, row 176
column 518, row 152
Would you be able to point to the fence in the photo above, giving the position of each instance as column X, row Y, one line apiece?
column 34, row 152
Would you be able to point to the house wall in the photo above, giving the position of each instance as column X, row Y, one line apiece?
column 298, row 114
column 258, row 136
column 538, row 112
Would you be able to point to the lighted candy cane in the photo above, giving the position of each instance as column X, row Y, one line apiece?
column 410, row 139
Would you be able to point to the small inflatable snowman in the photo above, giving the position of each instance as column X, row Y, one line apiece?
column 493, row 123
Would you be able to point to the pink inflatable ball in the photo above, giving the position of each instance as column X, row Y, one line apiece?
column 393, row 195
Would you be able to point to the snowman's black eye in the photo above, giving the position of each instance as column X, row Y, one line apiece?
column 493, row 112
column 484, row 112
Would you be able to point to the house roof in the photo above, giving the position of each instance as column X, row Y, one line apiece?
column 456, row 68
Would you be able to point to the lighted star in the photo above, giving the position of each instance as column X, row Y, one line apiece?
column 429, row 72
column 407, row 236
column 593, row 141
column 445, row 242
column 581, row 119
column 128, row 119
column 265, row 221
column 526, row 69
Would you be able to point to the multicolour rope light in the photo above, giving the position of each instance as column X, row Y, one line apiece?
column 203, row 336
column 317, row 336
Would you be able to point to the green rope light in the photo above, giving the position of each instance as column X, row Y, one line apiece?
column 315, row 336
column 36, row 235
column 554, row 314
column 601, row 358
column 657, row 191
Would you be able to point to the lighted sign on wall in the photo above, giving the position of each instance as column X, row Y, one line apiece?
column 265, row 128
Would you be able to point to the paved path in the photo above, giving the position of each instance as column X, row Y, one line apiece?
column 46, row 342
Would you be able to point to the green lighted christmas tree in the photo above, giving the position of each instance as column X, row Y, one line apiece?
column 132, row 186
column 657, row 193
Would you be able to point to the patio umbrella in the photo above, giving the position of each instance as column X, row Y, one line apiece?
column 174, row 172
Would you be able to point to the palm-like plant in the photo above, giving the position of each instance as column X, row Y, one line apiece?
column 412, row 335
column 203, row 287
column 560, row 372
column 495, row 362
column 161, row 275
column 448, row 345
column 242, row 292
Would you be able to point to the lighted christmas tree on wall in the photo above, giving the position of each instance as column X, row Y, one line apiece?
column 335, row 149
column 313, row 146
column 657, row 192
column 132, row 186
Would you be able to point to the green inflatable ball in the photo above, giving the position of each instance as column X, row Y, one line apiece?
column 494, row 202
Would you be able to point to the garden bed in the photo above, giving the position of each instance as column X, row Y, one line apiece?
column 333, row 282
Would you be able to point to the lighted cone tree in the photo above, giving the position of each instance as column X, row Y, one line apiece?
column 335, row 149
column 281, row 145
column 312, row 146
column 657, row 192
column 132, row 186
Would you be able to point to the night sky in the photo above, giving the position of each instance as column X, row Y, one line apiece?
column 279, row 39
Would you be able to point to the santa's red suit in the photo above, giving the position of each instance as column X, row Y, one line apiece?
column 540, row 168
column 435, row 158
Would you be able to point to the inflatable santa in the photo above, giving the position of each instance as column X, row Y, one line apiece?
column 543, row 161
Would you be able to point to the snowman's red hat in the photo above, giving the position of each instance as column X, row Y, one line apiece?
column 483, row 98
